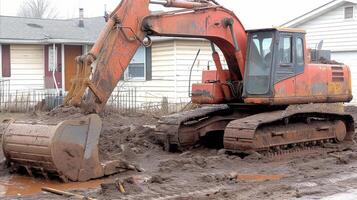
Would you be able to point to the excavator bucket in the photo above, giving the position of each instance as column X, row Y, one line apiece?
column 68, row 150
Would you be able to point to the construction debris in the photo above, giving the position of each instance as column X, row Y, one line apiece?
column 66, row 194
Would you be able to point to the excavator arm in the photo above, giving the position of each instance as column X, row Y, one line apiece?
column 131, row 25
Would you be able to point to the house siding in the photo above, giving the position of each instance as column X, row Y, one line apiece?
column 163, row 76
column 186, row 51
column 27, row 67
column 338, row 33
column 171, row 64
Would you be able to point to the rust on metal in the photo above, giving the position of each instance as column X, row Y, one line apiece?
column 68, row 150
column 276, row 132
column 310, row 124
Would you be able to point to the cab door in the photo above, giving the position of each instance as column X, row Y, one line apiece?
column 259, row 65
column 285, row 67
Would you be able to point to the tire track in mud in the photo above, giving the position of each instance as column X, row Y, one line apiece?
column 182, row 193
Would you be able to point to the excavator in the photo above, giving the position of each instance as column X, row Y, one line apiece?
column 269, row 98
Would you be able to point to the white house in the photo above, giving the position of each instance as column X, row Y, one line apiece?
column 336, row 24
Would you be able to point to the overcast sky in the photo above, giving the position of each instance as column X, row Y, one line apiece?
column 252, row 13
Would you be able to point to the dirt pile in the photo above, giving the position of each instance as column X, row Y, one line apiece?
column 125, row 138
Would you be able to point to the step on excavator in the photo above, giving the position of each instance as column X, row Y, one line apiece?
column 269, row 97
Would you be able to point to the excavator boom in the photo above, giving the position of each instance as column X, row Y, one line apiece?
column 131, row 25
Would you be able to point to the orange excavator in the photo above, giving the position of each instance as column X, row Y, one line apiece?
column 270, row 99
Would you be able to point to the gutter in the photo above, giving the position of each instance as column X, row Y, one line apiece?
column 45, row 42
column 88, row 42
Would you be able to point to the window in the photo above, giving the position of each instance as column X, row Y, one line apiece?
column 137, row 67
column 260, row 62
column 299, row 51
column 285, row 50
column 349, row 12
column 52, row 59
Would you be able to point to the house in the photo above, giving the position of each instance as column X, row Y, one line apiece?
column 35, row 52
column 336, row 24
column 38, row 54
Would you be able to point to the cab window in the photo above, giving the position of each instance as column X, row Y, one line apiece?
column 285, row 50
column 299, row 51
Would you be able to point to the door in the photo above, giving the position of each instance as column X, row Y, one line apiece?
column 284, row 79
column 70, row 52
column 260, row 61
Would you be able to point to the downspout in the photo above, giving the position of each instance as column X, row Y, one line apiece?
column 175, row 60
column 55, row 67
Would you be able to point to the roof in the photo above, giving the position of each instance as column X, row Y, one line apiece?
column 317, row 12
column 34, row 31
column 280, row 29
column 20, row 30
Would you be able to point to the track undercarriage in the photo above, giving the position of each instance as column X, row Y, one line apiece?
column 256, row 130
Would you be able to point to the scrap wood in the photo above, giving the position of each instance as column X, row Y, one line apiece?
column 66, row 194
column 120, row 187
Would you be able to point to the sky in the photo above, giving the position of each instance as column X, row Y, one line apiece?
column 252, row 13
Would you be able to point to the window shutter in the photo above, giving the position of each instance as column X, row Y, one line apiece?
column 6, row 64
column 148, row 64
column 47, row 72
column 59, row 58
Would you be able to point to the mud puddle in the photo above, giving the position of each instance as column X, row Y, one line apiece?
column 25, row 186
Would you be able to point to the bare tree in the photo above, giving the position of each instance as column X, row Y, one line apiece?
column 37, row 9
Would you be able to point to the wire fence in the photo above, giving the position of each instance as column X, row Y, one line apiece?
column 122, row 100
column 4, row 91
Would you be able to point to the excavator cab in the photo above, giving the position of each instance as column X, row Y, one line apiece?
column 273, row 55
column 278, row 71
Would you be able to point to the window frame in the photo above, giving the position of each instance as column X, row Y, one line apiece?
column 50, row 57
column 126, row 72
column 353, row 12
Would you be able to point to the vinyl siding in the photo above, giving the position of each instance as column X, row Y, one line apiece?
column 186, row 51
column 338, row 33
column 163, row 76
column 171, row 63
column 27, row 67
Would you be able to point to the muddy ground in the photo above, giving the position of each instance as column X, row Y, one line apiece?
column 329, row 172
